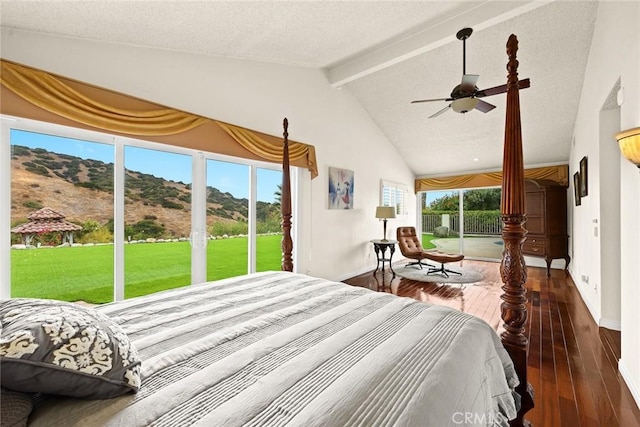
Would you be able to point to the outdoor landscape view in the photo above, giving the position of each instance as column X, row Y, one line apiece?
column 74, row 261
column 463, row 221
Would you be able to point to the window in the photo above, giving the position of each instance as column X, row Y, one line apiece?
column 394, row 194
column 144, row 216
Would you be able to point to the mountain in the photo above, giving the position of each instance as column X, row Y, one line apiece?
column 82, row 190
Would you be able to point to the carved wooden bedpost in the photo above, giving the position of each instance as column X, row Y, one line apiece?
column 285, row 204
column 513, row 269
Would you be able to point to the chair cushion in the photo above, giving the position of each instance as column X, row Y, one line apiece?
column 443, row 257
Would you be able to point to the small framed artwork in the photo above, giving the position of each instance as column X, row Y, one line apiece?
column 584, row 182
column 576, row 188
column 341, row 189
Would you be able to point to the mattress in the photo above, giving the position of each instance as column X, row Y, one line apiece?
column 278, row 348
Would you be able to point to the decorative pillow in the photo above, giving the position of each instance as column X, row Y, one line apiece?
column 15, row 408
column 62, row 348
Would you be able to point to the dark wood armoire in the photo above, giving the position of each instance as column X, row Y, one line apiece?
column 546, row 207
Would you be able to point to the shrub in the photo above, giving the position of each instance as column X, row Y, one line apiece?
column 101, row 235
column 32, row 204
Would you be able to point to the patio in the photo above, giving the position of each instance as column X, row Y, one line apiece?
column 474, row 247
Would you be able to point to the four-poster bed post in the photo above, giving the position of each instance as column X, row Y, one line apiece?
column 513, row 269
column 285, row 203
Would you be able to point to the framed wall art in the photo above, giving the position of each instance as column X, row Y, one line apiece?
column 584, row 182
column 576, row 188
column 341, row 188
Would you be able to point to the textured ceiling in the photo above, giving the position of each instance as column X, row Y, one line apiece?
column 387, row 53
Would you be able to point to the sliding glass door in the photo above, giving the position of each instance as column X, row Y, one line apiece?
column 268, row 227
column 96, row 217
column 157, row 220
column 463, row 221
column 482, row 224
column 227, row 219
column 441, row 221
column 61, row 214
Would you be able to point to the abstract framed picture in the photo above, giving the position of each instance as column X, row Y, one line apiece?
column 576, row 188
column 341, row 188
column 584, row 182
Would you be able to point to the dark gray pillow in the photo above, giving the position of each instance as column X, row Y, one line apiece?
column 15, row 408
column 62, row 348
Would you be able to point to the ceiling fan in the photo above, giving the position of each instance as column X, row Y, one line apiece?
column 466, row 96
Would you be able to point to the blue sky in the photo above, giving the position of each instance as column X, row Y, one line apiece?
column 226, row 177
column 433, row 195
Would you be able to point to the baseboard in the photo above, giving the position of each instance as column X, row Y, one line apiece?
column 368, row 268
column 614, row 325
column 346, row 276
column 595, row 315
column 624, row 373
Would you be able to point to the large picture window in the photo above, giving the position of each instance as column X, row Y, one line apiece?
column 115, row 216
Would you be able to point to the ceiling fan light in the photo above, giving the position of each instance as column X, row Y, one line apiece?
column 464, row 105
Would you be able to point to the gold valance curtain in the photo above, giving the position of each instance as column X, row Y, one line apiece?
column 558, row 174
column 35, row 94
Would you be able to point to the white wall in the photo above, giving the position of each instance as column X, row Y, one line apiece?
column 615, row 54
column 331, row 243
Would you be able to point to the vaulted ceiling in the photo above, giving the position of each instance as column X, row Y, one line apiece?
column 387, row 53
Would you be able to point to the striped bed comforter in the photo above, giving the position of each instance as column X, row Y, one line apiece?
column 276, row 348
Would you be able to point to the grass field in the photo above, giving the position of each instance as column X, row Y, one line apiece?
column 86, row 273
column 426, row 241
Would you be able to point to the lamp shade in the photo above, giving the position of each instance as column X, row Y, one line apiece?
column 464, row 105
column 629, row 142
column 385, row 212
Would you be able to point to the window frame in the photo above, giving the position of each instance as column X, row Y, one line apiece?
column 396, row 191
column 199, row 158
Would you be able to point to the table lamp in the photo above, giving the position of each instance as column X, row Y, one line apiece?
column 384, row 213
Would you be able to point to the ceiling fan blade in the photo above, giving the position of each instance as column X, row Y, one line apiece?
column 469, row 82
column 522, row 84
column 484, row 106
column 440, row 112
column 429, row 100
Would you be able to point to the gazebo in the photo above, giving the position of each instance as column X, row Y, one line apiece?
column 46, row 220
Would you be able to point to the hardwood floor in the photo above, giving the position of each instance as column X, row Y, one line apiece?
column 573, row 364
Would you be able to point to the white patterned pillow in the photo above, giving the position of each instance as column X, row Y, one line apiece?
column 62, row 348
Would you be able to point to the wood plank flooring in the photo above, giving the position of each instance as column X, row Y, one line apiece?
column 573, row 364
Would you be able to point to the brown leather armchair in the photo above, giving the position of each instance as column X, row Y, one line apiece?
column 410, row 246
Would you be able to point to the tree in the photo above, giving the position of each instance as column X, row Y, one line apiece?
column 448, row 202
column 278, row 196
column 484, row 199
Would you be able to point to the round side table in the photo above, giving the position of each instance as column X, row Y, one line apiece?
column 380, row 247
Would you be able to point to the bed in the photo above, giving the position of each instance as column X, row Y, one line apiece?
column 280, row 348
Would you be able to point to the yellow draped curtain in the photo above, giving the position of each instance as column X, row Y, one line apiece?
column 558, row 174
column 94, row 108
column 257, row 145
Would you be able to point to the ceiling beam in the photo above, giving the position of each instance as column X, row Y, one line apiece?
column 478, row 16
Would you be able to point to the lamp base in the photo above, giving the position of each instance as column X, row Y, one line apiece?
column 384, row 238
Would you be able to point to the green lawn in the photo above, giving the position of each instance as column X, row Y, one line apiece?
column 86, row 273
column 426, row 241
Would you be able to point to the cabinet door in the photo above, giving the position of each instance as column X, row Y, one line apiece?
column 535, row 212
column 557, row 212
